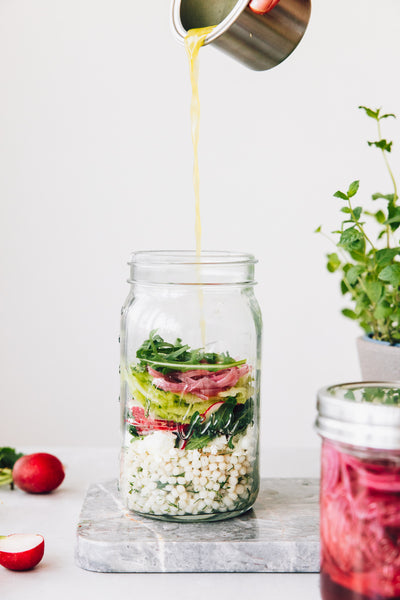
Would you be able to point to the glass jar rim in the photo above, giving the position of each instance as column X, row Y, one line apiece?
column 185, row 267
column 190, row 257
column 348, row 413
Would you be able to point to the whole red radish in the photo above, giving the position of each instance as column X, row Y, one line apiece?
column 21, row 552
column 38, row 473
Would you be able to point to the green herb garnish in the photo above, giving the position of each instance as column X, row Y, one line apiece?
column 161, row 486
column 375, row 395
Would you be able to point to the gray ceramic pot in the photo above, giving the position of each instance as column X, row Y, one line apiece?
column 378, row 360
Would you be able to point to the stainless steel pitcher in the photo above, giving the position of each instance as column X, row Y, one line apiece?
column 258, row 41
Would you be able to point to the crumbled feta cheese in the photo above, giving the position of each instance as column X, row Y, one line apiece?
column 159, row 479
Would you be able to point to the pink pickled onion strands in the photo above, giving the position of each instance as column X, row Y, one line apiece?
column 360, row 522
column 201, row 383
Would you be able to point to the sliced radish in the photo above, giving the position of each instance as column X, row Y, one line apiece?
column 182, row 444
column 212, row 409
column 145, row 424
column 20, row 551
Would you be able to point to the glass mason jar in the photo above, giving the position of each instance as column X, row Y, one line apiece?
column 360, row 491
column 190, row 386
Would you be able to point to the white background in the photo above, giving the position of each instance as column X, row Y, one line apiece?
column 95, row 162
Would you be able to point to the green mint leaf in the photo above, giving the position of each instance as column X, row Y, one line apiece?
column 388, row 197
column 333, row 262
column 385, row 256
column 354, row 273
column 345, row 209
column 357, row 213
column 393, row 217
column 382, row 145
column 374, row 114
column 391, row 274
column 374, row 290
column 340, row 194
column 350, row 314
column 353, row 189
column 344, row 288
column 388, row 115
column 380, row 217
column 318, row 230
column 395, row 317
column 352, row 240
column 383, row 310
column 362, row 303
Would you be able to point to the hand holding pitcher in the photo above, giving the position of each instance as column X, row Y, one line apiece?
column 262, row 6
column 260, row 35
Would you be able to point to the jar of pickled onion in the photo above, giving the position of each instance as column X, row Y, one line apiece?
column 190, row 383
column 360, row 491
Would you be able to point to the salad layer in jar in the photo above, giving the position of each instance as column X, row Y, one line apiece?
column 360, row 524
column 191, row 440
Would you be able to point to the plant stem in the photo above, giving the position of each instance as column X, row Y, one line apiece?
column 387, row 163
column 360, row 227
column 6, row 477
column 391, row 177
column 343, row 255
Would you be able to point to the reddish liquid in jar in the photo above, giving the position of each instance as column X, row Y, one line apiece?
column 332, row 591
column 360, row 526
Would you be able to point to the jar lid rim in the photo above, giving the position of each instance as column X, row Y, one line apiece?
column 360, row 413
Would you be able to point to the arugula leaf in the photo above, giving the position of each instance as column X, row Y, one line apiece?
column 230, row 420
column 179, row 357
column 134, row 432
column 198, row 443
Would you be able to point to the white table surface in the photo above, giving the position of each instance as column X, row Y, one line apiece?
column 55, row 517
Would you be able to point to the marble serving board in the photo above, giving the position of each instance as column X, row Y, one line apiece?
column 279, row 535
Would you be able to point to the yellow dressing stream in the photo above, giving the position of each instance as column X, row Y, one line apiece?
column 193, row 42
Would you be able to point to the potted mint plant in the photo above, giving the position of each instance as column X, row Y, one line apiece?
column 368, row 260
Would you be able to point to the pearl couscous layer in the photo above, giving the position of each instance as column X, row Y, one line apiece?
column 159, row 479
